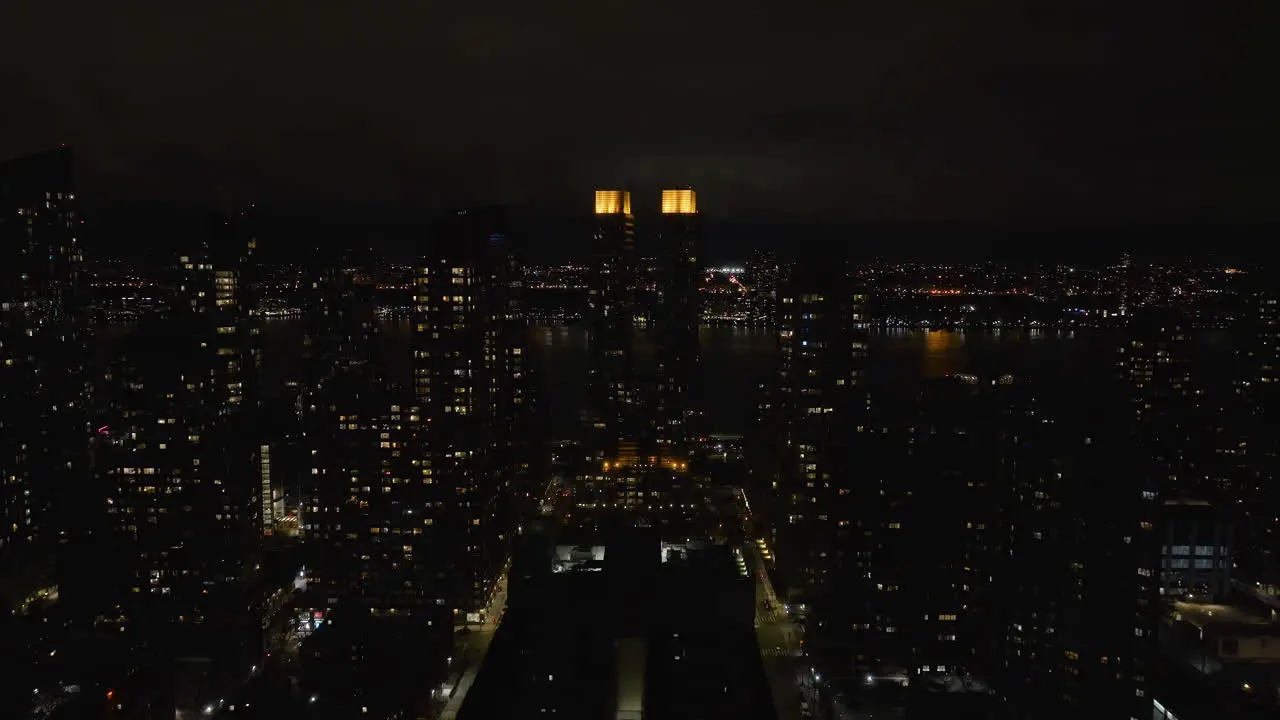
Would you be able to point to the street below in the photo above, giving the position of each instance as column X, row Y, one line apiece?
column 791, row 680
column 473, row 645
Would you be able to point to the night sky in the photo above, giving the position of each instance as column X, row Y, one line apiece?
column 830, row 112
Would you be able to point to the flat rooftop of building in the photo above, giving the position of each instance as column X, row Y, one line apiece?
column 696, row 671
column 1241, row 691
column 1204, row 615
column 616, row 638
column 554, row 651
column 701, row 561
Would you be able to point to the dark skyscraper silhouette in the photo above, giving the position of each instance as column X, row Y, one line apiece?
column 180, row 406
column 679, row 315
column 614, row 411
column 43, row 421
column 823, row 402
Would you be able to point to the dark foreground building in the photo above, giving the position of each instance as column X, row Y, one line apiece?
column 625, row 627
column 43, row 427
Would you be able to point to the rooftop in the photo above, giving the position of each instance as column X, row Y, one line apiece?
column 1204, row 615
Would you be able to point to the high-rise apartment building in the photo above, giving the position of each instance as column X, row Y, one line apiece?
column 380, row 623
column 181, row 475
column 414, row 490
column 43, row 425
column 763, row 272
column 1166, row 402
column 1082, row 534
column 928, row 509
column 339, row 318
column 679, row 316
column 1253, row 450
column 1173, row 434
column 1079, row 583
column 822, row 399
column 613, row 412
column 379, row 546
column 44, row 436
column 614, row 415
column 340, row 337
column 469, row 382
column 635, row 469
column 1267, row 311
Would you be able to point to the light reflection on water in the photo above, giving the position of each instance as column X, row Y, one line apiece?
column 736, row 360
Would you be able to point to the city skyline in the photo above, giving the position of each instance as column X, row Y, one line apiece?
column 254, row 472
column 144, row 228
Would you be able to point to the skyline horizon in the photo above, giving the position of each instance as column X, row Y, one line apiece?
column 547, row 236
column 225, row 195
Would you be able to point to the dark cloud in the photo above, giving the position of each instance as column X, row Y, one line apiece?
column 935, row 109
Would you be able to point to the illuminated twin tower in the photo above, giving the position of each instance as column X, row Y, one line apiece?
column 674, row 202
column 631, row 419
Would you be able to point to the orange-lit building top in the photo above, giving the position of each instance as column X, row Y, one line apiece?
column 679, row 202
column 613, row 202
